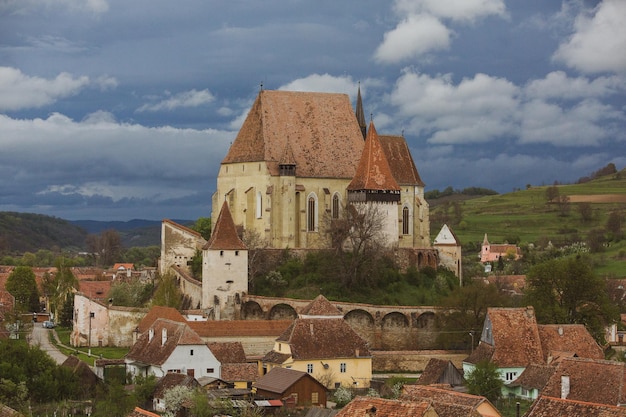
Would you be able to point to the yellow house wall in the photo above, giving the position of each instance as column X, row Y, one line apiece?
column 358, row 370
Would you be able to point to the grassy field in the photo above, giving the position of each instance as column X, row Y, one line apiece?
column 525, row 216
column 82, row 352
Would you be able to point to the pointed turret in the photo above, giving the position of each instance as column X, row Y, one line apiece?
column 485, row 240
column 224, row 236
column 373, row 180
column 360, row 115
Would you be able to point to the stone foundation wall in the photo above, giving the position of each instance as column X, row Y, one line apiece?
column 413, row 361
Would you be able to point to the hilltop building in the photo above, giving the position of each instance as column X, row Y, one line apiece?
column 492, row 252
column 301, row 158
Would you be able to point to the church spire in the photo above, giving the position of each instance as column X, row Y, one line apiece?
column 360, row 116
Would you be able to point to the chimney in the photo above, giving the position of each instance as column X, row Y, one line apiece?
column 163, row 336
column 150, row 334
column 564, row 386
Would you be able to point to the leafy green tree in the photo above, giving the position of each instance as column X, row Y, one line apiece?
column 203, row 226
column 586, row 212
column 131, row 294
column 22, row 285
column 64, row 284
column 552, row 194
column 167, row 292
column 112, row 400
column 566, row 290
column 614, row 224
column 174, row 399
column 485, row 380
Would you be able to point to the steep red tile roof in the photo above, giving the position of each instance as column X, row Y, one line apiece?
column 95, row 289
column 553, row 407
column 324, row 338
column 534, row 376
column 568, row 338
column 320, row 307
column 157, row 312
column 224, row 234
column 321, row 128
column 228, row 352
column 373, row 171
column 243, row 328
column 596, row 381
column 435, row 371
column 381, row 407
column 515, row 338
column 400, row 160
column 439, row 395
column 152, row 351
column 239, row 372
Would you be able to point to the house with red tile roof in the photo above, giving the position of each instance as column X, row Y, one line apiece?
column 449, row 403
column 552, row 407
column 381, row 407
column 321, row 343
column 594, row 381
column 236, row 370
column 531, row 382
column 513, row 340
column 171, row 346
column 490, row 252
column 440, row 371
column 166, row 383
column 296, row 387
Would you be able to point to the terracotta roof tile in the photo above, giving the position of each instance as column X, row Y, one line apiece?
column 324, row 338
column 596, row 381
column 381, row 407
column 320, row 307
column 514, row 335
column 422, row 392
column 534, row 376
column 373, row 172
column 435, row 370
column 400, row 160
column 157, row 312
column 140, row 412
column 173, row 379
column 228, row 352
column 243, row 328
column 224, row 234
column 321, row 128
column 153, row 351
column 552, row 407
column 238, row 372
column 568, row 338
column 278, row 380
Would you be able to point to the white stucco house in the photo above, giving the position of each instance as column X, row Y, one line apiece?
column 170, row 346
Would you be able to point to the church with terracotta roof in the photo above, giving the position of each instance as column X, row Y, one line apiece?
column 301, row 159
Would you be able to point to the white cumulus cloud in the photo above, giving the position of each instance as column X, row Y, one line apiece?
column 599, row 40
column 192, row 98
column 558, row 84
column 412, row 37
column 467, row 10
column 20, row 91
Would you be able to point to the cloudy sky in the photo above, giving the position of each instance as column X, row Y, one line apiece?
column 117, row 109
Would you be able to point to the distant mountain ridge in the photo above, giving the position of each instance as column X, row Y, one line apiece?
column 29, row 232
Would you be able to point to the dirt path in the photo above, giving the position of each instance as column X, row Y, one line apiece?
column 598, row 198
column 40, row 338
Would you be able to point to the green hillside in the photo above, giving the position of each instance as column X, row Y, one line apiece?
column 526, row 217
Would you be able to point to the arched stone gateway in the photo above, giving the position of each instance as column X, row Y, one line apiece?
column 251, row 310
column 426, row 334
column 363, row 323
column 395, row 327
column 283, row 312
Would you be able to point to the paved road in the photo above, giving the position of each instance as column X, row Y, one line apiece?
column 40, row 338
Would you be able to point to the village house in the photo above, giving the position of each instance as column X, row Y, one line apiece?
column 381, row 407
column 167, row 382
column 295, row 387
column 531, row 382
column 170, row 346
column 513, row 340
column 321, row 343
column 440, row 371
column 491, row 253
column 449, row 403
column 589, row 380
column 236, row 370
column 551, row 407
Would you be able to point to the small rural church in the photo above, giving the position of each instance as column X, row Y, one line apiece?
column 301, row 158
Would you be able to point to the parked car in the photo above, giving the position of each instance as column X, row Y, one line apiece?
column 48, row 324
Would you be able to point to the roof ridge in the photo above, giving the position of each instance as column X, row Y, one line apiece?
column 224, row 234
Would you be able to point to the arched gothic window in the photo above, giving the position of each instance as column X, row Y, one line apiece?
column 259, row 205
column 335, row 208
column 311, row 222
column 405, row 221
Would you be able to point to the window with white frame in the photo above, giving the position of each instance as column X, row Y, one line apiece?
column 510, row 376
column 342, row 367
column 309, row 368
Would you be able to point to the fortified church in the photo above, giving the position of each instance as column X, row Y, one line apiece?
column 299, row 161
